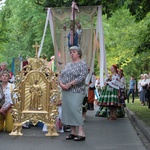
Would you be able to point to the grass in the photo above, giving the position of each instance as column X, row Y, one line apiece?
column 141, row 111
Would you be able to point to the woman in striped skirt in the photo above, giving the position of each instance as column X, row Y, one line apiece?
column 109, row 96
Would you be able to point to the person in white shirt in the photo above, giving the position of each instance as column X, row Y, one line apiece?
column 97, row 87
column 144, row 84
column 149, row 78
column 6, row 120
column 139, row 86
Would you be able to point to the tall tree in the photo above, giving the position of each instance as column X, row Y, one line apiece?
column 23, row 21
column 127, row 41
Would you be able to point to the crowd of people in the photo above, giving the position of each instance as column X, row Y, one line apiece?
column 80, row 89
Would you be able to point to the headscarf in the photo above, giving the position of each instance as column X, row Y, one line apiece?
column 115, row 67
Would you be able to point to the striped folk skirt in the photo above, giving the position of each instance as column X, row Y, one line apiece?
column 109, row 97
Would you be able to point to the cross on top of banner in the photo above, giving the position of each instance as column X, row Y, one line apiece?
column 36, row 46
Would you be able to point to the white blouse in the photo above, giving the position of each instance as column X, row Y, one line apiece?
column 122, row 83
column 144, row 82
column 115, row 82
column 8, row 96
column 139, row 85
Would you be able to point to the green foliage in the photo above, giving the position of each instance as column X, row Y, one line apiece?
column 141, row 111
column 109, row 6
column 96, row 66
column 139, row 8
column 127, row 41
column 123, row 37
column 22, row 25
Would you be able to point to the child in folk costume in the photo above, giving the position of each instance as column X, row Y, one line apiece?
column 109, row 96
column 6, row 120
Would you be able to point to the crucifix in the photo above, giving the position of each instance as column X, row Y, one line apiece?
column 36, row 46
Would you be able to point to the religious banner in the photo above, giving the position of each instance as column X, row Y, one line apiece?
column 76, row 26
column 82, row 28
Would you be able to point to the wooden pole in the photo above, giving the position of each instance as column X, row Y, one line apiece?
column 73, row 23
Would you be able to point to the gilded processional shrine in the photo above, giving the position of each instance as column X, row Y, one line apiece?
column 36, row 97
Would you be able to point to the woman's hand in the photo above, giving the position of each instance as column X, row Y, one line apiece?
column 65, row 86
column 62, row 86
column 68, row 85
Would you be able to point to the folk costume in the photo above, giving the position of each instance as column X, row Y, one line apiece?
column 122, row 96
column 91, row 94
column 6, row 120
column 109, row 96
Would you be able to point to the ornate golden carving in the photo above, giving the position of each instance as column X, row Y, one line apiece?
column 37, row 95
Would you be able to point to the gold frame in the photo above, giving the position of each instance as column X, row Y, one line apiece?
column 38, row 104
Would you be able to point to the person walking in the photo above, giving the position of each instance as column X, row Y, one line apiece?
column 72, row 82
column 132, row 85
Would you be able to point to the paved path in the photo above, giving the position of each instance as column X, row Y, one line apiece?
column 102, row 134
